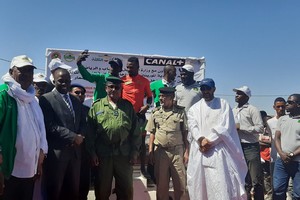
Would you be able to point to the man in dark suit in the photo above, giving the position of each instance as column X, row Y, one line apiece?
column 65, row 125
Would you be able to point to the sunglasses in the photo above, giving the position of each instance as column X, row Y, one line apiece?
column 292, row 102
column 205, row 88
column 79, row 92
column 116, row 87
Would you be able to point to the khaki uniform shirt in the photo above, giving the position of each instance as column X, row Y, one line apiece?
column 167, row 126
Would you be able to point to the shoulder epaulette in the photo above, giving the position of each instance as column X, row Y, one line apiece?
column 179, row 107
column 96, row 101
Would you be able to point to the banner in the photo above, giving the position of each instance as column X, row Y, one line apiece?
column 151, row 66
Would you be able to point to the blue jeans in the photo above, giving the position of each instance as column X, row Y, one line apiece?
column 282, row 173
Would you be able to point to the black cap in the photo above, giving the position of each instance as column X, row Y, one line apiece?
column 77, row 85
column 113, row 80
column 167, row 90
column 117, row 62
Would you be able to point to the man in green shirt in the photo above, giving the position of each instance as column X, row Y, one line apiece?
column 98, row 78
column 168, row 80
column 112, row 141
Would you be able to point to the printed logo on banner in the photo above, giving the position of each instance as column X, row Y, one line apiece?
column 101, row 58
column 69, row 57
column 55, row 54
column 163, row 61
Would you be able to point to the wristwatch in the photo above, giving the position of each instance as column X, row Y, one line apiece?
column 291, row 154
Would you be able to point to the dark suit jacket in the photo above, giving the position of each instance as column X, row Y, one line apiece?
column 61, row 128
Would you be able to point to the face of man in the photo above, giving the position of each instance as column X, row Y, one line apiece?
column 166, row 100
column 40, row 88
column 22, row 75
column 172, row 74
column 279, row 107
column 292, row 105
column 241, row 97
column 132, row 68
column 207, row 92
column 114, row 69
column 186, row 77
column 79, row 93
column 62, row 81
column 113, row 91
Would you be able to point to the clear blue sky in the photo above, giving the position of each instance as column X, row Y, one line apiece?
column 254, row 43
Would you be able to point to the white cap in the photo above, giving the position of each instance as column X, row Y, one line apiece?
column 21, row 61
column 188, row 68
column 39, row 78
column 57, row 63
column 244, row 89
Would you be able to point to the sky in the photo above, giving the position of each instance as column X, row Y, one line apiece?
column 254, row 43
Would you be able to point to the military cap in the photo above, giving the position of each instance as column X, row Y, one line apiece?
column 167, row 90
column 113, row 80
column 77, row 85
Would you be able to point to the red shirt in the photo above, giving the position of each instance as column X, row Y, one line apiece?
column 135, row 89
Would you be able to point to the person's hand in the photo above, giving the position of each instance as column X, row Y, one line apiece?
column 95, row 161
column 78, row 139
column 205, row 145
column 144, row 109
column 151, row 158
column 285, row 157
column 39, row 171
column 133, row 160
column 82, row 57
column 186, row 157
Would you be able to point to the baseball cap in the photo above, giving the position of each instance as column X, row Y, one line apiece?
column 57, row 63
column 116, row 61
column 244, row 89
column 21, row 61
column 208, row 82
column 39, row 77
column 188, row 68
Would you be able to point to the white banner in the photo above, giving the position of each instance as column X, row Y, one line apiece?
column 151, row 66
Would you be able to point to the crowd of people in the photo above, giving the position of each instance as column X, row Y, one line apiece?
column 52, row 146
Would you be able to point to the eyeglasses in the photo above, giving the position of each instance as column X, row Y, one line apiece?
column 292, row 102
column 79, row 92
column 116, row 87
column 205, row 87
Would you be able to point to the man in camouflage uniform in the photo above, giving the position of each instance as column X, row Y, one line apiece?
column 168, row 129
column 113, row 142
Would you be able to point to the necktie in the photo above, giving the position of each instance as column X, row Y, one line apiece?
column 67, row 100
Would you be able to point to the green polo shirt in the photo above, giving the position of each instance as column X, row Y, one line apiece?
column 97, row 78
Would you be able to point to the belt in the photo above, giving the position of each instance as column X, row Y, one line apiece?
column 169, row 147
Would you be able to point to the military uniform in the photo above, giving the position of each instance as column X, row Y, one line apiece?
column 168, row 127
column 112, row 137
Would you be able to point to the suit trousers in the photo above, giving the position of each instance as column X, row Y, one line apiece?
column 62, row 178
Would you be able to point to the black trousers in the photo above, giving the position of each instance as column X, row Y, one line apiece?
column 18, row 188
